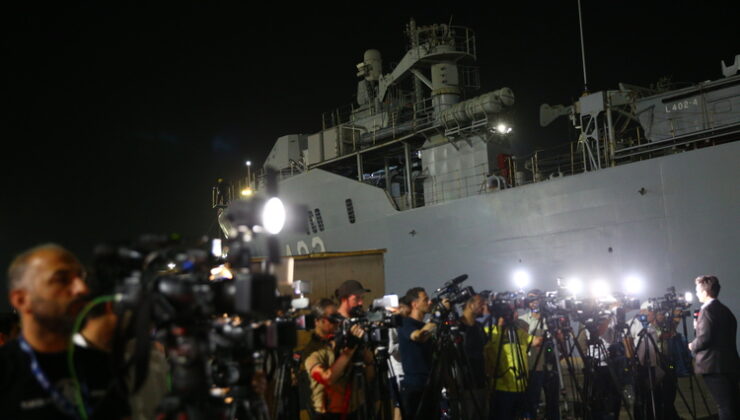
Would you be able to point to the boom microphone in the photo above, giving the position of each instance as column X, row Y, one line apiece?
column 459, row 279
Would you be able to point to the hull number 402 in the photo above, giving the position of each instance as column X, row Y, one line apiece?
column 682, row 105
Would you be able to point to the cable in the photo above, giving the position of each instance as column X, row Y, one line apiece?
column 70, row 352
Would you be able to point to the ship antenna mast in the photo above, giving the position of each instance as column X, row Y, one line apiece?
column 583, row 49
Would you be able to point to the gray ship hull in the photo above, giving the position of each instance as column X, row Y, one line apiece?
column 666, row 220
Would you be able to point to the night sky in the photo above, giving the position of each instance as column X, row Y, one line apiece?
column 118, row 120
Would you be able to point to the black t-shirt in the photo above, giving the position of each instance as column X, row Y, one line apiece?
column 474, row 340
column 416, row 357
column 21, row 396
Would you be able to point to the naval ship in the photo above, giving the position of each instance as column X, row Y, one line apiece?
column 422, row 165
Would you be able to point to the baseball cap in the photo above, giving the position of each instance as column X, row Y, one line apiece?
column 350, row 287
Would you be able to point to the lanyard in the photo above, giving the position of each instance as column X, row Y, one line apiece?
column 59, row 400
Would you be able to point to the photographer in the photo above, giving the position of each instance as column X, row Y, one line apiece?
column 604, row 389
column 416, row 357
column 474, row 342
column 506, row 361
column 541, row 378
column 329, row 367
column 350, row 296
column 47, row 287
column 650, row 340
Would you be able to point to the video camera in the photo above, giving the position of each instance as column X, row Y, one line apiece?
column 451, row 292
column 504, row 304
column 375, row 322
column 216, row 316
column 670, row 303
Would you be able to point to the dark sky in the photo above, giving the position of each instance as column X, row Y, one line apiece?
column 118, row 120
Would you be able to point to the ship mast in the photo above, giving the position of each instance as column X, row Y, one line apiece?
column 583, row 49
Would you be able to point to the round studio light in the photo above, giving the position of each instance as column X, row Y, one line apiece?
column 574, row 285
column 521, row 278
column 273, row 216
column 688, row 297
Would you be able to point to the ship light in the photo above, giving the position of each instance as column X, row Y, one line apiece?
column 521, row 279
column 273, row 216
column 633, row 285
column 502, row 128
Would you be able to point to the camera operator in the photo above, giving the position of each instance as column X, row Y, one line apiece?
column 329, row 367
column 506, row 362
column 350, row 296
column 98, row 332
column 650, row 341
column 539, row 377
column 594, row 338
column 715, row 349
column 47, row 287
column 415, row 345
column 474, row 342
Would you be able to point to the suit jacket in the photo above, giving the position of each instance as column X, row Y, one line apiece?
column 714, row 345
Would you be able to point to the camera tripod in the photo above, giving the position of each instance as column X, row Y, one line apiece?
column 600, row 364
column 382, row 384
column 285, row 390
column 517, row 366
column 550, row 345
column 657, row 360
column 451, row 370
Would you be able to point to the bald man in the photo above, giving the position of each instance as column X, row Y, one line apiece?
column 47, row 287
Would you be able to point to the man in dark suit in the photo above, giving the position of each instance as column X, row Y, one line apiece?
column 715, row 349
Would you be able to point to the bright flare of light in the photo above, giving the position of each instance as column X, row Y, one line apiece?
column 633, row 285
column 502, row 128
column 273, row 216
column 247, row 192
column 574, row 285
column 249, row 163
column 521, row 278
column 688, row 296
column 600, row 289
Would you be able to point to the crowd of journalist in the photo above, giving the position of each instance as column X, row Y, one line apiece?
column 455, row 355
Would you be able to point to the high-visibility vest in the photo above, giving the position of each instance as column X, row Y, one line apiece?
column 511, row 371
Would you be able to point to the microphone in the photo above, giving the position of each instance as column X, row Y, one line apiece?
column 457, row 280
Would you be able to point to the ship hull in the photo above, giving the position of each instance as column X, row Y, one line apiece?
column 665, row 220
